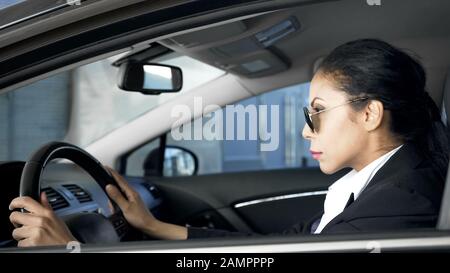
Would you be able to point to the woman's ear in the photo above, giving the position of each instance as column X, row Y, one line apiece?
column 373, row 115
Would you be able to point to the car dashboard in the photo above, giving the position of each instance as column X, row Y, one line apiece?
column 70, row 190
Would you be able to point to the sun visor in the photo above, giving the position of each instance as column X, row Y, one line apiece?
column 236, row 49
column 208, row 35
column 253, row 54
column 258, row 64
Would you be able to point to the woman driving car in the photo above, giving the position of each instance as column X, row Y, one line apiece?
column 369, row 111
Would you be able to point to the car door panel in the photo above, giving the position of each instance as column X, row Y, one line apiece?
column 273, row 200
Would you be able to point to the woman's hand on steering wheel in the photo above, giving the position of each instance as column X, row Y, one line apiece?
column 137, row 214
column 40, row 226
column 133, row 208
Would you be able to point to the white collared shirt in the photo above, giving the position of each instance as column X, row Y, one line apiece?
column 353, row 182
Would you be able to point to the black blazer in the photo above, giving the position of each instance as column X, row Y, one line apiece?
column 405, row 193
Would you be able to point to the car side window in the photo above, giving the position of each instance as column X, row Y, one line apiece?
column 143, row 161
column 33, row 115
column 259, row 133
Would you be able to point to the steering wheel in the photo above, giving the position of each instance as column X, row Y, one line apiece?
column 88, row 227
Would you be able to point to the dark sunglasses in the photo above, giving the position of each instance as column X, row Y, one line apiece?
column 309, row 115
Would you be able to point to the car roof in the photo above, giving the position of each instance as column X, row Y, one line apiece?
column 44, row 44
column 227, row 38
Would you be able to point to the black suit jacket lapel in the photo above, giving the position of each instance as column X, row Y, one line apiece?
column 350, row 201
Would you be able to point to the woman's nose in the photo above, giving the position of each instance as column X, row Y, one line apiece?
column 307, row 132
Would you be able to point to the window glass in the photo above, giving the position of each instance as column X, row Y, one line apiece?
column 280, row 126
column 82, row 105
column 143, row 161
column 285, row 146
column 101, row 107
column 34, row 115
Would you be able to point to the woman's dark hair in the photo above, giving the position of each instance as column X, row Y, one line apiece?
column 375, row 69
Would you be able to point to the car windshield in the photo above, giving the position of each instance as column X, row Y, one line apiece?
column 82, row 105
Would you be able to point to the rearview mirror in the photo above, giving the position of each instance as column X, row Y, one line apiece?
column 152, row 79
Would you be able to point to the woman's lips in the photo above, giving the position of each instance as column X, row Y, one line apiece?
column 316, row 155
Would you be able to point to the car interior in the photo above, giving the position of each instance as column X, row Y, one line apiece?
column 259, row 50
